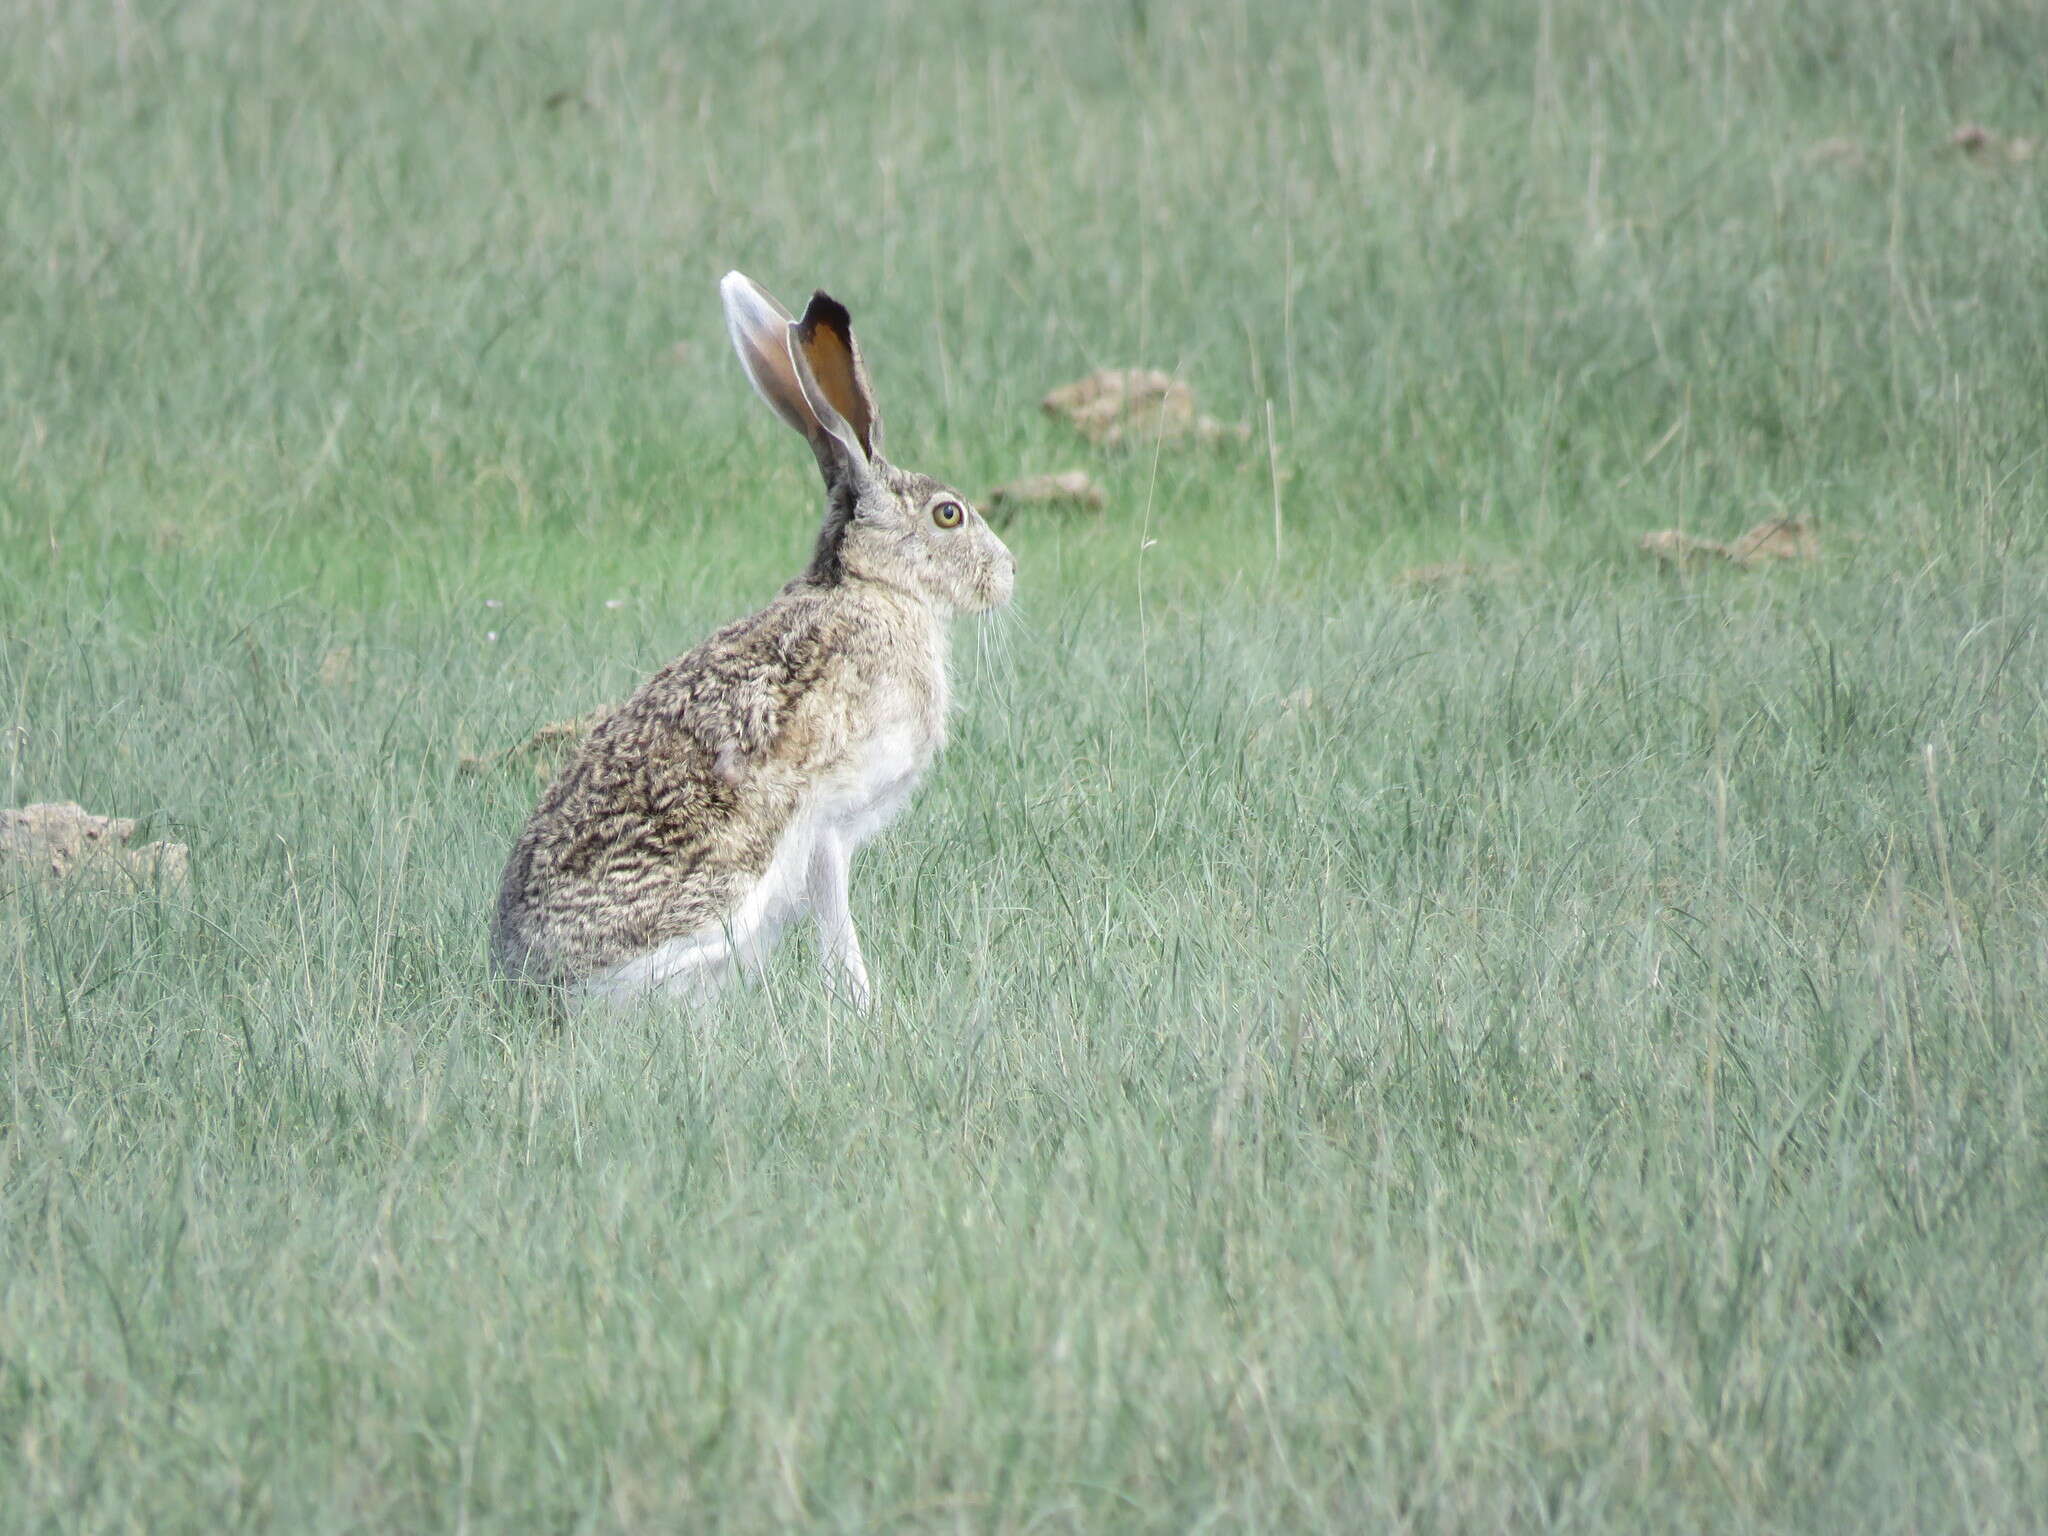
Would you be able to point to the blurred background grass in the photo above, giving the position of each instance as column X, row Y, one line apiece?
column 1560, row 1049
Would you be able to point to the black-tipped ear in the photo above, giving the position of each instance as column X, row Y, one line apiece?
column 766, row 340
column 825, row 337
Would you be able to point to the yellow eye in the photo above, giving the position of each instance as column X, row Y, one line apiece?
column 949, row 514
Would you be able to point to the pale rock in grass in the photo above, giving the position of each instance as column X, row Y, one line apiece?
column 1137, row 405
column 1980, row 146
column 1843, row 154
column 1071, row 488
column 1288, row 712
column 1454, row 573
column 62, row 840
column 1442, row 573
column 1779, row 538
column 338, row 667
column 546, row 749
column 1673, row 546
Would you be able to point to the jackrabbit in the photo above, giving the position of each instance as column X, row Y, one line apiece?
column 730, row 793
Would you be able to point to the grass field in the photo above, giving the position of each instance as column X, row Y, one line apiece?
column 1561, row 1049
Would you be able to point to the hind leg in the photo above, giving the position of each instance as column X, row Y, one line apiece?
column 695, row 966
column 699, row 964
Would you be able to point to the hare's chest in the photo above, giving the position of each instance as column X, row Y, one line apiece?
column 883, row 766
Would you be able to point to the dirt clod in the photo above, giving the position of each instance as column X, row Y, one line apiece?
column 1780, row 538
column 546, row 749
column 1842, row 154
column 1070, row 488
column 1137, row 405
column 1980, row 146
column 62, row 839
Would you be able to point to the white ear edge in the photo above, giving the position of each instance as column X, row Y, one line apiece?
column 764, row 335
column 759, row 329
column 749, row 306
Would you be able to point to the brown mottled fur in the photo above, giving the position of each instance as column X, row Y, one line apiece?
column 674, row 806
column 647, row 836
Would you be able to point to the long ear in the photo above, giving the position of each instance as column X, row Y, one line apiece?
column 764, row 337
column 824, row 340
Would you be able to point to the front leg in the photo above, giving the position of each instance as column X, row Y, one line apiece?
column 846, row 975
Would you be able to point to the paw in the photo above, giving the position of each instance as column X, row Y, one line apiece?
column 849, row 986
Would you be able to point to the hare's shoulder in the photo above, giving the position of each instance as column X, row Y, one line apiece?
column 739, row 692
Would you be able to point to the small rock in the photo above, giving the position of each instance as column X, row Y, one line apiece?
column 1681, row 549
column 1068, row 488
column 547, row 747
column 1781, row 538
column 63, row 839
column 1290, row 710
column 1454, row 573
column 1840, row 154
column 1443, row 574
column 163, row 861
column 1116, row 405
column 1981, row 146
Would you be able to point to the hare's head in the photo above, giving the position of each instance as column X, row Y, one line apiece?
column 881, row 523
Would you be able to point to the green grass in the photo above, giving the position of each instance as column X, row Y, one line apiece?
column 1562, row 1051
